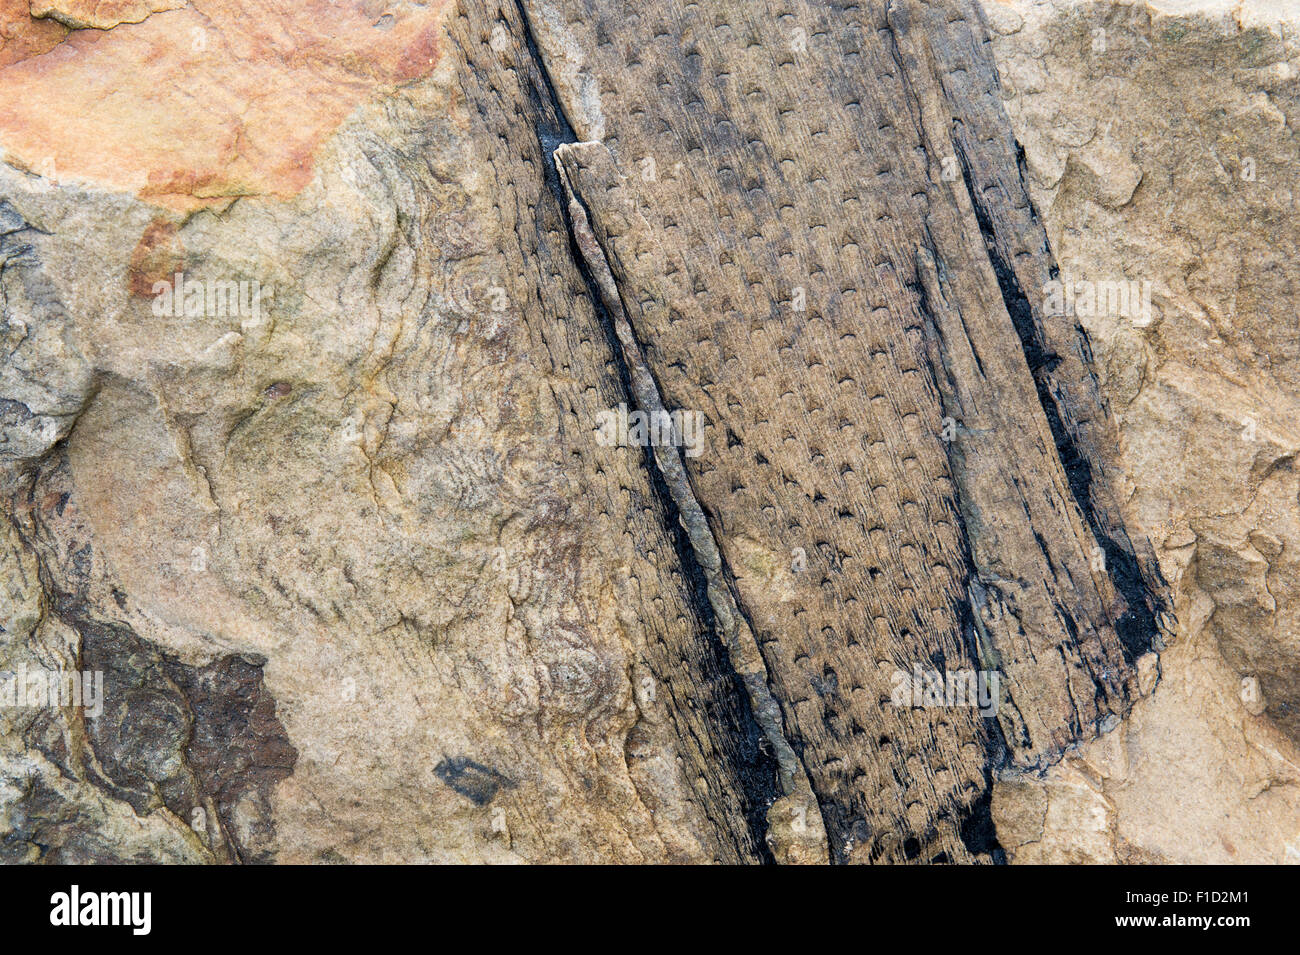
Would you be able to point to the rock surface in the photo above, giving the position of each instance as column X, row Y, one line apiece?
column 360, row 582
column 1160, row 144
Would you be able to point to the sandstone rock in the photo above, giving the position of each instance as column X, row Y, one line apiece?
column 309, row 322
column 1201, row 98
column 198, row 104
column 98, row 14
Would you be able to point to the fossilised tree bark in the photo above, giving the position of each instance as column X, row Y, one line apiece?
column 765, row 183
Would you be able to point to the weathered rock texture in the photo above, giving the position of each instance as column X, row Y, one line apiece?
column 1160, row 144
column 362, row 581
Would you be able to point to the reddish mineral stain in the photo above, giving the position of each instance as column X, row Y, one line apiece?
column 157, row 257
column 191, row 107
